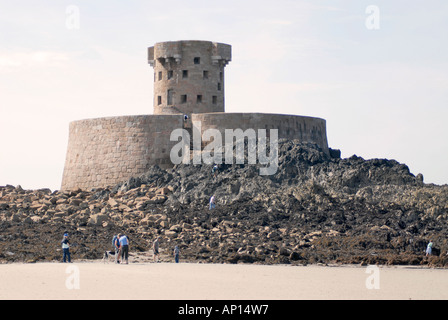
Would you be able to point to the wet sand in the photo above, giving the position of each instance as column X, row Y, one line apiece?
column 189, row 281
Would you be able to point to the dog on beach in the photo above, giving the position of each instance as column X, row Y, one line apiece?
column 109, row 255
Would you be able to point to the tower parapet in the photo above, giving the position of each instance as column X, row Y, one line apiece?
column 189, row 76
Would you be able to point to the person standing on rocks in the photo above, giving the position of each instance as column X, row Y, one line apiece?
column 212, row 203
column 215, row 171
column 124, row 248
column 65, row 248
column 429, row 248
column 155, row 249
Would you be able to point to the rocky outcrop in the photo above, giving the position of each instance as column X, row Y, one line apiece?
column 314, row 209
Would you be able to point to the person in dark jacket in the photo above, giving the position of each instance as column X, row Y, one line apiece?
column 65, row 249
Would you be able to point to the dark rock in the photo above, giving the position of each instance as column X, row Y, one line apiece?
column 316, row 208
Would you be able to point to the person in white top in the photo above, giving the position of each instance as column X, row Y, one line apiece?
column 212, row 202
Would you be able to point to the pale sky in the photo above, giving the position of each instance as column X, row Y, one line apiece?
column 378, row 76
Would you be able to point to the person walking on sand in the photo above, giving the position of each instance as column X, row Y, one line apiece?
column 124, row 248
column 65, row 249
column 155, row 249
column 176, row 254
column 429, row 248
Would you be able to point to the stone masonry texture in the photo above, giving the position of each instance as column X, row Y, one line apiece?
column 189, row 76
column 103, row 151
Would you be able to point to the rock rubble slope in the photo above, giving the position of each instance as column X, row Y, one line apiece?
column 314, row 209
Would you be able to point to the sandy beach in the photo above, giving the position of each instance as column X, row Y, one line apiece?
column 189, row 281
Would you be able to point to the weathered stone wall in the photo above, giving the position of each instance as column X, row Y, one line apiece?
column 305, row 129
column 104, row 151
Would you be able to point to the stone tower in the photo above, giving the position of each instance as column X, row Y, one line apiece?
column 189, row 76
column 188, row 79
